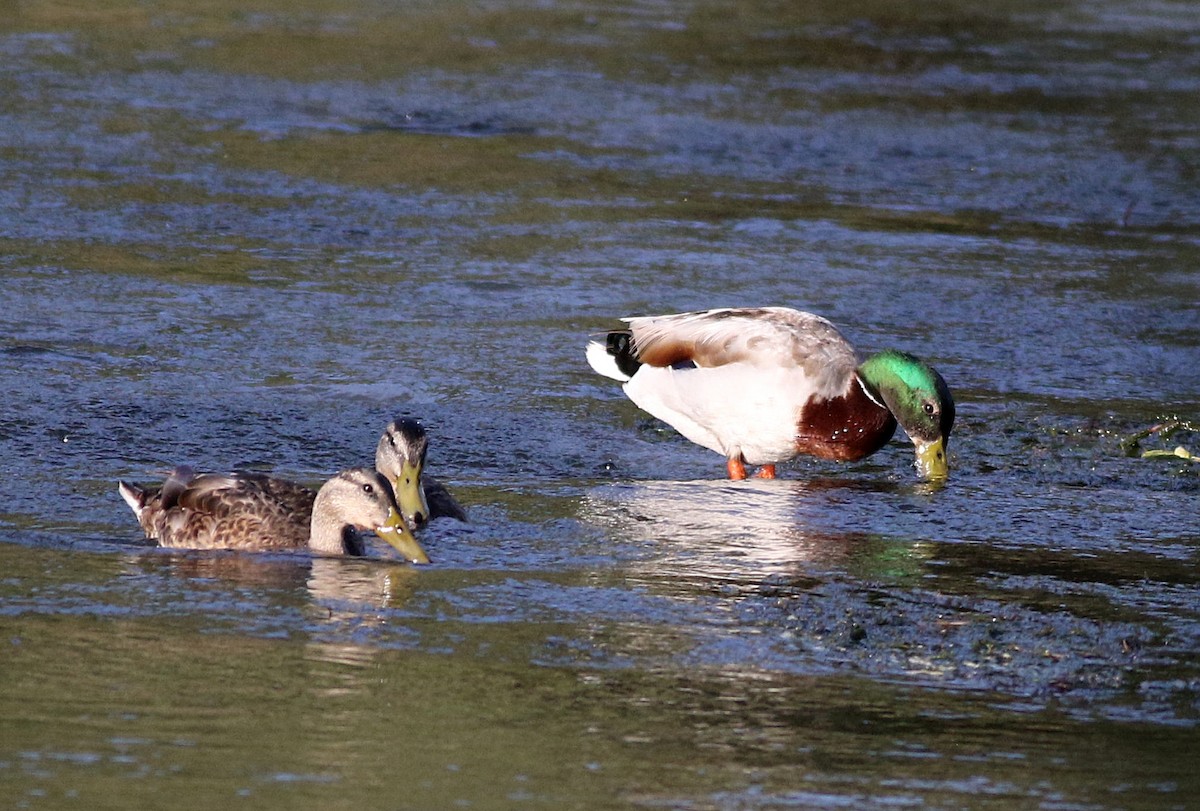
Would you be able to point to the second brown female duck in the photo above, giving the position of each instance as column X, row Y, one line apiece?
column 400, row 457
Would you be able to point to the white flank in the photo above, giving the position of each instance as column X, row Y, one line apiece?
column 733, row 409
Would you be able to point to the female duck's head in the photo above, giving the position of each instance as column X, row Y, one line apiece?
column 400, row 456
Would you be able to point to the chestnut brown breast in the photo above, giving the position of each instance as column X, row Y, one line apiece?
column 845, row 428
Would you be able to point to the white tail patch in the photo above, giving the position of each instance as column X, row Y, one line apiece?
column 134, row 496
column 604, row 363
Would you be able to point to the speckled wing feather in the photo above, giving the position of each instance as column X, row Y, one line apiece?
column 244, row 510
column 765, row 336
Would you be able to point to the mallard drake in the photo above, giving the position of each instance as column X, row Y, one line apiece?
column 762, row 385
column 251, row 511
column 400, row 457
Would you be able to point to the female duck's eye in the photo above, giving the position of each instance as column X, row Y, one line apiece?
column 368, row 488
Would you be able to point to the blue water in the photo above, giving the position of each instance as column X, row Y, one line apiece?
column 248, row 237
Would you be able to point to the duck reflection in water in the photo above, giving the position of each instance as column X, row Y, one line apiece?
column 358, row 591
column 331, row 589
column 720, row 531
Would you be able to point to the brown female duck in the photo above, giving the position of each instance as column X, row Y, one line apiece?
column 249, row 511
column 400, row 457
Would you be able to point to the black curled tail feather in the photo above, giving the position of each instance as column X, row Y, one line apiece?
column 620, row 345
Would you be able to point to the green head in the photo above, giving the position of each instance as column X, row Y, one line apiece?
column 920, row 401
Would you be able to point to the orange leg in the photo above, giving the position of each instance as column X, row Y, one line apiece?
column 766, row 472
column 736, row 468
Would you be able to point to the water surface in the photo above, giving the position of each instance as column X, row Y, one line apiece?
column 247, row 236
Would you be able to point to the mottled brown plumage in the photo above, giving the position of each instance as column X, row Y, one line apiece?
column 255, row 512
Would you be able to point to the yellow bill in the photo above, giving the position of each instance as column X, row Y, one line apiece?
column 931, row 459
column 410, row 495
column 396, row 532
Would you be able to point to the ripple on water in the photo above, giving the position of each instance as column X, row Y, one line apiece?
column 249, row 240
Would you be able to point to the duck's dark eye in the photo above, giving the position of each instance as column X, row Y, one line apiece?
column 929, row 408
column 368, row 488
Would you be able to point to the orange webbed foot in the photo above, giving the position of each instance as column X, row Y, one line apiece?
column 766, row 472
column 736, row 468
